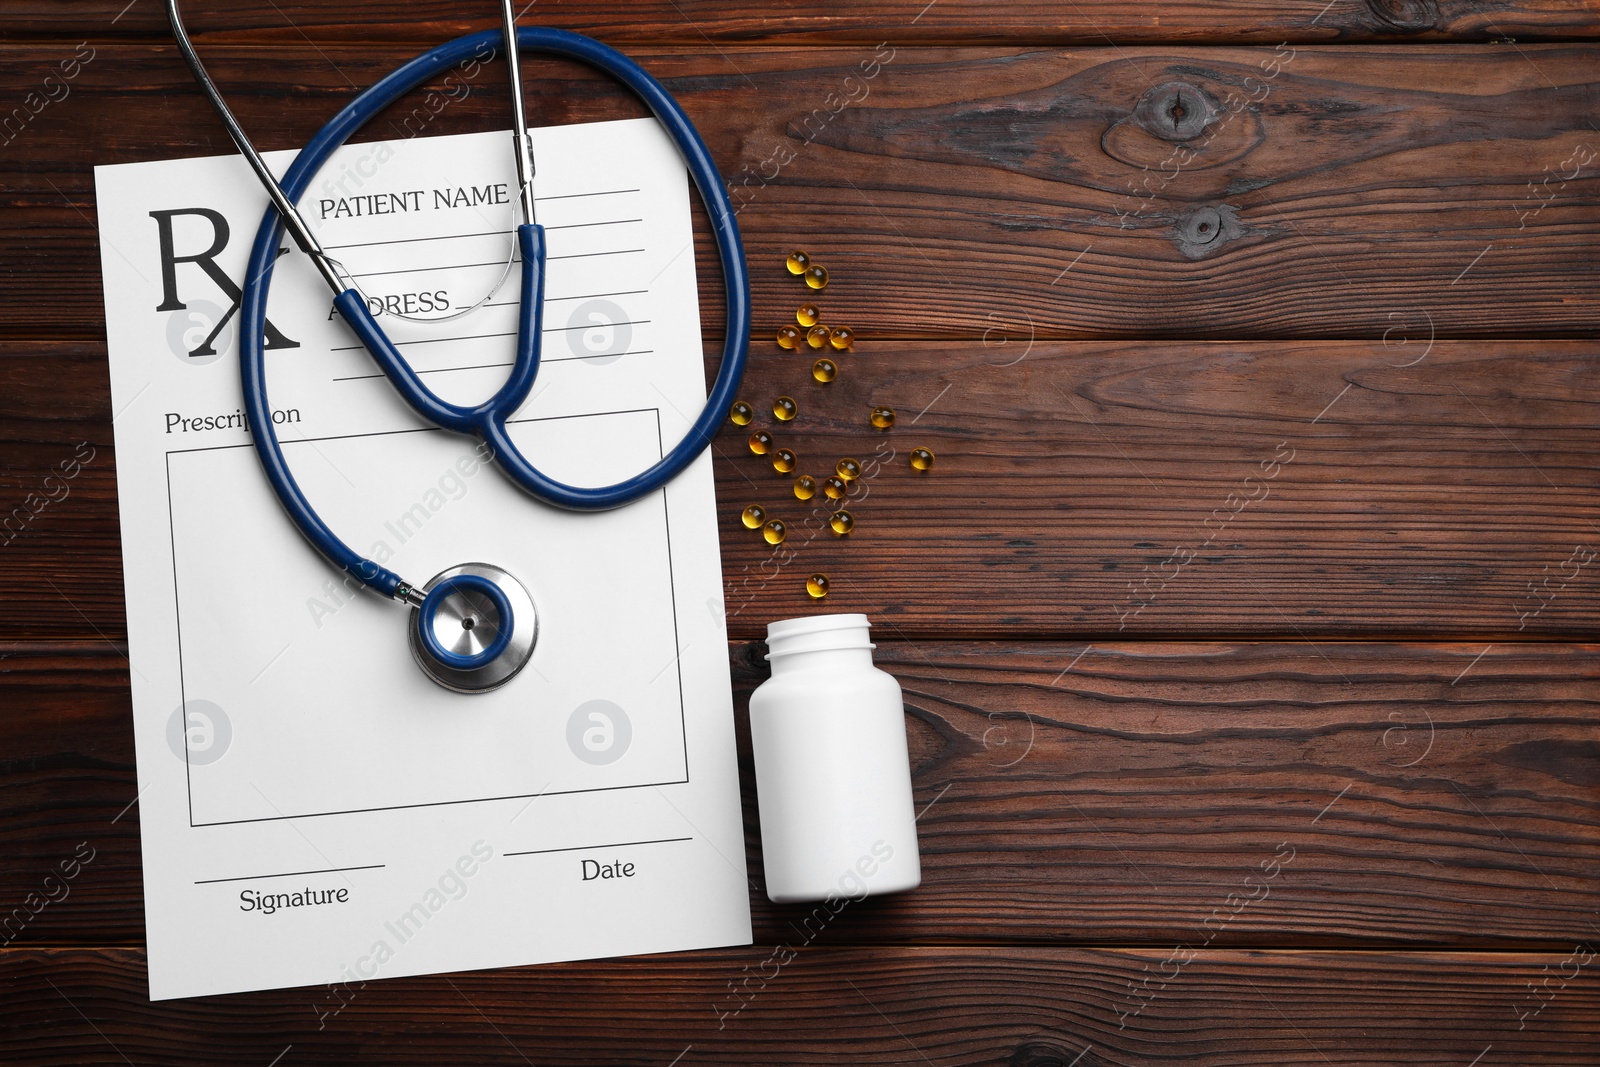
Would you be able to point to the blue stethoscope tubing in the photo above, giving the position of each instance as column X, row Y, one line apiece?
column 486, row 420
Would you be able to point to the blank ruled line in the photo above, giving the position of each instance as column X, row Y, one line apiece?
column 590, row 848
column 596, row 325
column 419, row 240
column 290, row 874
column 587, row 225
column 421, row 270
column 492, row 263
column 553, row 299
column 368, row 377
column 587, row 255
column 487, row 366
column 466, row 236
column 591, row 296
column 574, row 196
column 487, row 336
column 426, row 341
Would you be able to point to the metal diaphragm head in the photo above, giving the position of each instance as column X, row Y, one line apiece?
column 475, row 629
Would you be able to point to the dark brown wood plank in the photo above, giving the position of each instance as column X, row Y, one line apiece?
column 1335, row 192
column 1214, row 794
column 1091, row 22
column 1081, row 489
column 1017, row 1007
column 1296, row 489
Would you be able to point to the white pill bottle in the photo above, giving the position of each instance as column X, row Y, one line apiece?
column 833, row 775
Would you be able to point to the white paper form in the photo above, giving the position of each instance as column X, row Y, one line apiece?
column 313, row 809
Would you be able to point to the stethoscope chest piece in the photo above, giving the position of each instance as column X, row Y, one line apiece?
column 474, row 628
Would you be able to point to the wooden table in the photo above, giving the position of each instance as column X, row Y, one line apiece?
column 1243, row 622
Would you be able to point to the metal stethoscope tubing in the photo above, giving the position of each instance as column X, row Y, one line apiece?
column 486, row 420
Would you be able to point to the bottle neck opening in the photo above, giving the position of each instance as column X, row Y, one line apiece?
column 818, row 633
column 820, row 659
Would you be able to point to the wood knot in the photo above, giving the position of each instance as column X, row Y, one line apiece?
column 749, row 663
column 1039, row 1054
column 1203, row 231
column 1405, row 16
column 1176, row 111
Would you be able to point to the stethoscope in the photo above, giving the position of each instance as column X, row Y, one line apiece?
column 473, row 626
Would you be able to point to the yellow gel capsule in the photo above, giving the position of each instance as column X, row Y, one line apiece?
column 817, row 336
column 882, row 418
column 824, row 370
column 775, row 531
column 783, row 461
column 797, row 262
column 834, row 488
column 921, row 459
column 753, row 516
column 808, row 314
column 761, row 442
column 843, row 338
column 805, row 487
column 741, row 413
column 841, row 522
column 848, row 469
column 788, row 337
column 816, row 276
column 817, row 586
column 784, row 408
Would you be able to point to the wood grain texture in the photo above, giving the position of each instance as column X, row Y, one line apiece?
column 1082, row 489
column 943, row 21
column 1135, row 851
column 1330, row 192
column 1156, row 793
column 1006, row 1007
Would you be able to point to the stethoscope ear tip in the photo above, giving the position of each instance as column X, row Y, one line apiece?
column 475, row 628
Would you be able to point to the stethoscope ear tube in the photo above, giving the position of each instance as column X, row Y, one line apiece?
column 487, row 420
